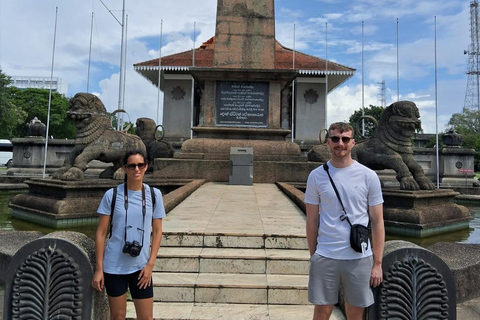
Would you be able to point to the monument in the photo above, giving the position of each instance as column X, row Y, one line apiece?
column 242, row 82
column 417, row 209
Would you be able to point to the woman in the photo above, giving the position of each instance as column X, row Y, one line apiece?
column 127, row 260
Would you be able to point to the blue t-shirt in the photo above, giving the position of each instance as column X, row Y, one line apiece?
column 115, row 261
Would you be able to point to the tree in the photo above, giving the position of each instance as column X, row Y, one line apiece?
column 11, row 116
column 34, row 103
column 468, row 124
column 356, row 122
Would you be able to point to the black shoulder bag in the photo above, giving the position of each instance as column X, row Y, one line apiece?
column 359, row 234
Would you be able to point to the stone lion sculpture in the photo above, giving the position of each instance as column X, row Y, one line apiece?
column 146, row 130
column 390, row 147
column 95, row 140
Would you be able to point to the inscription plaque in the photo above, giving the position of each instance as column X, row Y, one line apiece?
column 241, row 104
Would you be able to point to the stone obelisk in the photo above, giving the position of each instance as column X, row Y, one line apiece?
column 245, row 34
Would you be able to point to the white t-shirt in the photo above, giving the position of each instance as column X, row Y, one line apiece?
column 115, row 261
column 359, row 188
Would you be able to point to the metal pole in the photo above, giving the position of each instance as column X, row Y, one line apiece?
column 363, row 87
column 50, row 97
column 90, row 54
column 125, row 70
column 193, row 56
column 398, row 69
column 326, row 73
column 121, row 80
column 436, row 111
column 192, row 107
column 159, row 73
column 293, row 88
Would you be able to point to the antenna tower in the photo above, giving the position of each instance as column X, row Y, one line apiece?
column 383, row 100
column 472, row 95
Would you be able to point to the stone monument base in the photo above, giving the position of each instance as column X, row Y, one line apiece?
column 273, row 161
column 69, row 204
column 423, row 213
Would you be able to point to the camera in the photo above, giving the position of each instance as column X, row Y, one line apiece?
column 132, row 248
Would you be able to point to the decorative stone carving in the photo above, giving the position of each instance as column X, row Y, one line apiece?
column 452, row 138
column 147, row 131
column 417, row 284
column 95, row 140
column 61, row 285
column 390, row 147
column 311, row 96
column 49, row 278
column 35, row 128
column 178, row 93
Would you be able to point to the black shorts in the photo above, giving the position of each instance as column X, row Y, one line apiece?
column 116, row 285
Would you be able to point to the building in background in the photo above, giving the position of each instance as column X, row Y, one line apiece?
column 25, row 82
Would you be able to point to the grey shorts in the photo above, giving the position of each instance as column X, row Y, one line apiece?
column 325, row 277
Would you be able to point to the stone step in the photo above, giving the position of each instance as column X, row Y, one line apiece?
column 232, row 260
column 218, row 311
column 232, row 240
column 230, row 288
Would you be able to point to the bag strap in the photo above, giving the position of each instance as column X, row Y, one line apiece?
column 112, row 210
column 325, row 167
column 114, row 199
column 152, row 193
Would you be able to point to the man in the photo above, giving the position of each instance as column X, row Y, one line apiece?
column 328, row 235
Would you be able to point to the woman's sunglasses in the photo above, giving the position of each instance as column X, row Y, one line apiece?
column 132, row 166
column 337, row 139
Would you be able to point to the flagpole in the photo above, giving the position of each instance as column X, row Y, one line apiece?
column 159, row 72
column 90, row 54
column 122, row 67
column 125, row 70
column 436, row 110
column 398, row 69
column 326, row 72
column 193, row 83
column 193, row 56
column 50, row 97
column 293, row 87
column 363, row 86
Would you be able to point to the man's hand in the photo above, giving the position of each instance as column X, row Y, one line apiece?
column 376, row 275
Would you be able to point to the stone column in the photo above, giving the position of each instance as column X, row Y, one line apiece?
column 245, row 34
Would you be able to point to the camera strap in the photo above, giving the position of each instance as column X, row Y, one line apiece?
column 114, row 200
column 144, row 209
column 325, row 167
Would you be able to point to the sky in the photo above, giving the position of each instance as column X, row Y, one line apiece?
column 322, row 27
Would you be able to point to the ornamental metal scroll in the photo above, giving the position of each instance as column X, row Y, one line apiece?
column 417, row 285
column 48, row 285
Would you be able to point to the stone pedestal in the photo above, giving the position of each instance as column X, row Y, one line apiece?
column 423, row 213
column 61, row 204
column 69, row 204
column 273, row 161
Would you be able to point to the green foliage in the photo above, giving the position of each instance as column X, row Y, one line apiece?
column 17, row 107
column 468, row 124
column 10, row 115
column 356, row 122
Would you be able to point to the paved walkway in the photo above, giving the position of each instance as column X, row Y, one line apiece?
column 255, row 209
column 258, row 209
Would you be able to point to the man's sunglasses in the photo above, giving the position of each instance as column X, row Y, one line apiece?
column 336, row 139
column 132, row 166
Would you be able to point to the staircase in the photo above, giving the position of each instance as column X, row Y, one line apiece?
column 234, row 253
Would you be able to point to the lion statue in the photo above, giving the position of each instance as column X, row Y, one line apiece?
column 95, row 140
column 146, row 130
column 390, row 147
